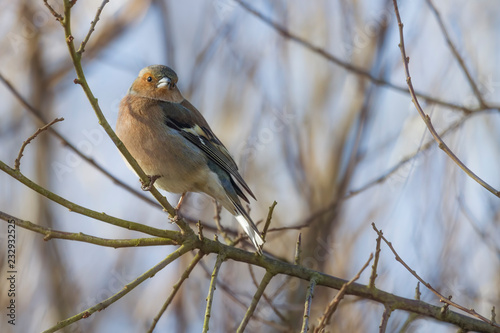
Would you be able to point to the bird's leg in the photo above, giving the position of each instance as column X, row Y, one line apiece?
column 181, row 199
column 152, row 180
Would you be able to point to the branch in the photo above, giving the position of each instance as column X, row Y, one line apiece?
column 176, row 288
column 81, row 49
column 17, row 162
column 211, row 290
column 268, row 220
column 442, row 298
column 53, row 12
column 125, row 290
column 307, row 305
column 426, row 117
column 255, row 300
column 332, row 306
column 88, row 212
column 81, row 237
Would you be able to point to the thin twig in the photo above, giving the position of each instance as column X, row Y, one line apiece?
column 256, row 297
column 81, row 49
column 442, row 298
column 220, row 228
column 268, row 220
column 385, row 319
column 88, row 212
column 373, row 276
column 426, row 117
column 210, row 297
column 176, row 288
column 52, row 11
column 283, row 31
column 298, row 250
column 307, row 305
column 17, row 162
column 332, row 306
column 125, row 290
column 279, row 266
column 460, row 60
column 268, row 300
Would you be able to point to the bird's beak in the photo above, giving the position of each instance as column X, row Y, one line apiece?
column 164, row 82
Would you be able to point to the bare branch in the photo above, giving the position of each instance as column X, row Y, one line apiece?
column 41, row 119
column 211, row 290
column 81, row 237
column 125, row 290
column 426, row 117
column 298, row 251
column 442, row 298
column 81, row 49
column 454, row 50
column 385, row 319
column 354, row 69
column 88, row 212
column 307, row 305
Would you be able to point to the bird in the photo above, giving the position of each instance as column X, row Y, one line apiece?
column 175, row 146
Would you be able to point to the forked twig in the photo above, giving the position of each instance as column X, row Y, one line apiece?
column 81, row 49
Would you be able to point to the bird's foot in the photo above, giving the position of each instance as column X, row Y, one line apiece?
column 152, row 180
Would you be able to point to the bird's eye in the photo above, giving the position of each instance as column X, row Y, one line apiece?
column 149, row 79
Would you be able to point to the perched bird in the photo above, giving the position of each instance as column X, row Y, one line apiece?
column 175, row 146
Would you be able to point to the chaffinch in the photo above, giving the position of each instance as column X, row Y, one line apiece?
column 175, row 146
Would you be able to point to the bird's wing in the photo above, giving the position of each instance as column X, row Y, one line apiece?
column 189, row 122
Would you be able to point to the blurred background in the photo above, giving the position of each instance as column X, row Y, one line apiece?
column 336, row 149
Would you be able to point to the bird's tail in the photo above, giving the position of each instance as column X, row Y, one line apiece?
column 252, row 233
column 250, row 228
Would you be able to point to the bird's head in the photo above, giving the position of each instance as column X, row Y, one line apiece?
column 158, row 82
